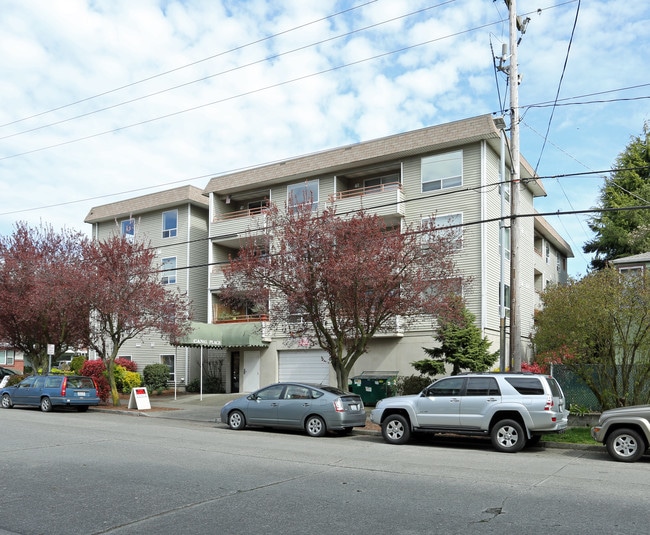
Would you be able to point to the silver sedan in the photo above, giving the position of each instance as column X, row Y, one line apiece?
column 315, row 408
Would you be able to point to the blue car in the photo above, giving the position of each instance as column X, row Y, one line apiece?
column 49, row 391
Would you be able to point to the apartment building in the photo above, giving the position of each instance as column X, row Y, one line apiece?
column 175, row 223
column 450, row 171
column 551, row 254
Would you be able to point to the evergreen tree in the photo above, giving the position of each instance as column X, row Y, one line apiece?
column 461, row 346
column 626, row 232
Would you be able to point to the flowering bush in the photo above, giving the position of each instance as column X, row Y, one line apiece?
column 127, row 364
column 534, row 368
column 97, row 370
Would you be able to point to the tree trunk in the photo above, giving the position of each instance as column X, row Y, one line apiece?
column 110, row 371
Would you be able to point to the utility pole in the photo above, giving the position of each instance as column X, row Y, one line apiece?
column 515, row 231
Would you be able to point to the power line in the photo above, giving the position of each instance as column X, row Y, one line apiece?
column 227, row 71
column 149, row 78
column 247, row 93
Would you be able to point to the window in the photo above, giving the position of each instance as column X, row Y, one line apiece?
column 527, row 386
column 382, row 183
column 303, row 193
column 442, row 171
column 272, row 392
column 7, row 357
column 168, row 360
column 505, row 246
column 128, row 228
column 169, row 270
column 482, row 386
column 446, row 387
column 450, row 226
column 298, row 392
column 170, row 223
column 506, row 300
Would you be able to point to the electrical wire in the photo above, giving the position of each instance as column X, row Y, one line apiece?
column 559, row 86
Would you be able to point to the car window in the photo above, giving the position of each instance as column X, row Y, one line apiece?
column 298, row 392
column 331, row 390
column 482, row 386
column 53, row 382
column 446, row 387
column 27, row 383
column 527, row 386
column 555, row 388
column 39, row 382
column 80, row 382
column 272, row 392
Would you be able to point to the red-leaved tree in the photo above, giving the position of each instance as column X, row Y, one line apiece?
column 41, row 301
column 337, row 281
column 128, row 299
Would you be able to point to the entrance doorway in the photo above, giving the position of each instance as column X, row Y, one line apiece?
column 234, row 371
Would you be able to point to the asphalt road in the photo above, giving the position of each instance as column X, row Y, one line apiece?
column 99, row 472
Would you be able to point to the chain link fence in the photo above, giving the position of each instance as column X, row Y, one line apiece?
column 575, row 390
column 578, row 393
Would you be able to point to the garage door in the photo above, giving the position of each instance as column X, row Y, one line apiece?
column 307, row 366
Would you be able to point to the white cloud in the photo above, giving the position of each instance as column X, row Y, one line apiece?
column 56, row 53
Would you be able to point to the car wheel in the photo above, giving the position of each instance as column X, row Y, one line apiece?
column 625, row 445
column 82, row 408
column 508, row 436
column 236, row 420
column 46, row 404
column 396, row 429
column 315, row 426
column 6, row 402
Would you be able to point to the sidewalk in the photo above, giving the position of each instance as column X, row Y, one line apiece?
column 191, row 407
column 206, row 408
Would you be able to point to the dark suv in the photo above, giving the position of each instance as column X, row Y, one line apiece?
column 513, row 409
column 48, row 391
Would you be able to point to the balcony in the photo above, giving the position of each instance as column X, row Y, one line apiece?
column 241, row 318
column 227, row 228
column 384, row 200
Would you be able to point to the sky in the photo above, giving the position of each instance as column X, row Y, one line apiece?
column 104, row 100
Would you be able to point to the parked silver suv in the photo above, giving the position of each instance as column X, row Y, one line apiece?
column 514, row 409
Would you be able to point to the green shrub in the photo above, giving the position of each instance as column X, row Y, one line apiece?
column 211, row 385
column 77, row 363
column 130, row 380
column 412, row 385
column 155, row 376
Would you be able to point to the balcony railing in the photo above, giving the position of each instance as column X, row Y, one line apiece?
column 370, row 190
column 242, row 318
column 248, row 212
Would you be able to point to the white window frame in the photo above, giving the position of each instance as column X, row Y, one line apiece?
column 306, row 187
column 168, row 272
column 170, row 232
column 169, row 360
column 442, row 171
column 127, row 228
column 445, row 220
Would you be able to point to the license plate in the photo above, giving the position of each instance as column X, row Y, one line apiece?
column 81, row 394
column 354, row 407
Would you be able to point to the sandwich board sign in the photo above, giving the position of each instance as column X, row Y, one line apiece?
column 139, row 399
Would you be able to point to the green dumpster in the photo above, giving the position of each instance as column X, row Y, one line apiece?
column 373, row 386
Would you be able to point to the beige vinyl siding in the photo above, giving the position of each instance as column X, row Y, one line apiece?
column 198, row 246
column 492, row 250
column 456, row 200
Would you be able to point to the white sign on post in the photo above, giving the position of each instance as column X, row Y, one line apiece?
column 139, row 399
